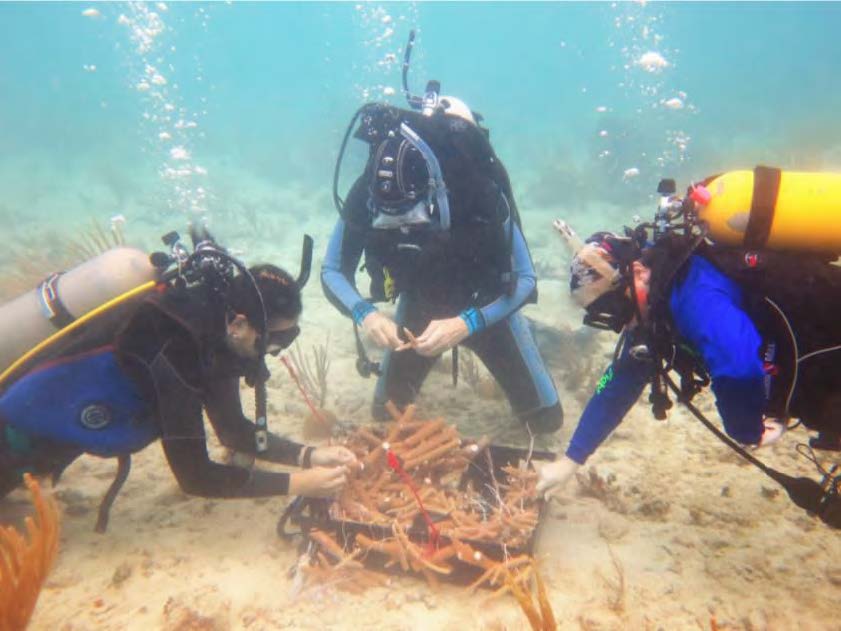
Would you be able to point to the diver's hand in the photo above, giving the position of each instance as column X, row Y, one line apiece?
column 381, row 330
column 774, row 430
column 441, row 335
column 332, row 457
column 552, row 476
column 318, row 481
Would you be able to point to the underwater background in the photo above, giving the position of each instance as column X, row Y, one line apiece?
column 155, row 111
column 150, row 116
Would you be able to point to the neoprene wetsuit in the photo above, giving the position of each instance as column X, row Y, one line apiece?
column 499, row 334
column 708, row 311
column 168, row 363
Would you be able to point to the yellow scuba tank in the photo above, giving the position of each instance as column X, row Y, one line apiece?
column 35, row 316
column 773, row 209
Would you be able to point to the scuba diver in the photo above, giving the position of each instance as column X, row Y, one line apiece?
column 147, row 368
column 747, row 305
column 434, row 214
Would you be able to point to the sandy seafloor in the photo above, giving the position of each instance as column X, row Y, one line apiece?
column 694, row 533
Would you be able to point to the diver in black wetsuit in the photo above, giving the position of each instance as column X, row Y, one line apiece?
column 181, row 351
column 434, row 215
column 170, row 348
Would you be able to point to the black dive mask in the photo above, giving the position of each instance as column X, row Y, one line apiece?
column 280, row 340
column 610, row 311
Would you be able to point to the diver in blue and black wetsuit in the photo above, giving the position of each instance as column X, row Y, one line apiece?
column 434, row 215
column 181, row 352
column 713, row 327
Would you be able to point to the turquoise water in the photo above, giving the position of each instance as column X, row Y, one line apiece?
column 270, row 87
column 232, row 113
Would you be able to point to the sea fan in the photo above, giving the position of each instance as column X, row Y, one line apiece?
column 24, row 564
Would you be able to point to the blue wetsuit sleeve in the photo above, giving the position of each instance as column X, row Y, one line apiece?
column 617, row 390
column 523, row 270
column 339, row 269
column 707, row 310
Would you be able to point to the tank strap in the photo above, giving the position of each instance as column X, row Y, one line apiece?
column 766, row 186
column 51, row 304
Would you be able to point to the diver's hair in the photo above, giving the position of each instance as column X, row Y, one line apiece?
column 281, row 294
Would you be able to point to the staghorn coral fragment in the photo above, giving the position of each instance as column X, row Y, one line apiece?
column 435, row 459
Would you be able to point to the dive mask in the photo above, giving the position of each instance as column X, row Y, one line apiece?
column 611, row 311
column 277, row 341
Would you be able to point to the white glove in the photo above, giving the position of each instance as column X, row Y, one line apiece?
column 552, row 476
column 774, row 430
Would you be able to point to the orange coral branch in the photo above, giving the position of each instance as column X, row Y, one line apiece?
column 24, row 565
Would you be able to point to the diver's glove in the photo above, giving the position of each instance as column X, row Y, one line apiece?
column 773, row 431
column 552, row 476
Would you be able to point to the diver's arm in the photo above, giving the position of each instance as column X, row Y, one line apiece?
column 339, row 269
column 526, row 280
column 224, row 410
column 185, row 447
column 617, row 390
column 706, row 308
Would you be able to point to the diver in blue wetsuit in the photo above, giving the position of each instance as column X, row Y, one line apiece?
column 434, row 216
column 179, row 353
column 713, row 329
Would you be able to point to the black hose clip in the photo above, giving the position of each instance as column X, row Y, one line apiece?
column 365, row 367
column 659, row 398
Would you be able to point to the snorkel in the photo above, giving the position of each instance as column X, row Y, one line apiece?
column 428, row 103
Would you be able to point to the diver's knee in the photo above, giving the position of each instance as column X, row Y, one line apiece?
column 545, row 420
column 378, row 412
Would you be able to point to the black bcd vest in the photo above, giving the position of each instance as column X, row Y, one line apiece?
column 794, row 299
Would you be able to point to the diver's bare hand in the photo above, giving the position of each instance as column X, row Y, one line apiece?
column 552, row 476
column 318, row 481
column 333, row 456
column 441, row 335
column 773, row 430
column 381, row 330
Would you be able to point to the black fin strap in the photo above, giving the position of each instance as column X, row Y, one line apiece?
column 766, row 187
column 455, row 366
column 54, row 309
column 123, row 469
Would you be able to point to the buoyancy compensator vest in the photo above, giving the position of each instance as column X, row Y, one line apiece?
column 793, row 299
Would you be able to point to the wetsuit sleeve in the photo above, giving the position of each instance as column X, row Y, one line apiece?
column 617, row 390
column 224, row 411
column 185, row 447
column 707, row 310
column 339, row 270
column 526, row 280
